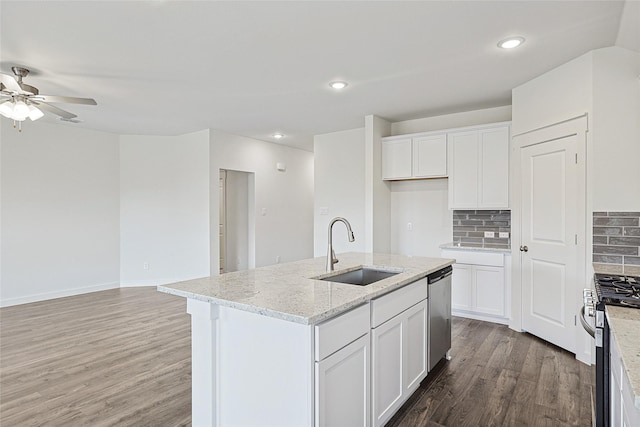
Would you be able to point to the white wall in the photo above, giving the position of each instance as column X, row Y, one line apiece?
column 615, row 130
column 560, row 94
column 339, row 186
column 423, row 203
column 59, row 210
column 455, row 120
column 378, row 192
column 164, row 208
column 237, row 224
column 285, row 229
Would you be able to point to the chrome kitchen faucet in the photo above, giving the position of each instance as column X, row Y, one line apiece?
column 331, row 255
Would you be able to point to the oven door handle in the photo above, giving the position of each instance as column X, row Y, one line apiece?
column 587, row 327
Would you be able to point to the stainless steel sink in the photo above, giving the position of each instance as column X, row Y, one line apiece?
column 362, row 276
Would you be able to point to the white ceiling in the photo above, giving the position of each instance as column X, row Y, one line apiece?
column 254, row 68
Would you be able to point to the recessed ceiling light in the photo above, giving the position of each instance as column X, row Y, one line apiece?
column 511, row 42
column 278, row 135
column 338, row 85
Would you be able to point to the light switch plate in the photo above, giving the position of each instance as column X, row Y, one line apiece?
column 489, row 234
column 504, row 234
column 324, row 210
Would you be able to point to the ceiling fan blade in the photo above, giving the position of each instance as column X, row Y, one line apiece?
column 55, row 110
column 10, row 83
column 64, row 99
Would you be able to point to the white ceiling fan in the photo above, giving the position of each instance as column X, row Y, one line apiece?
column 19, row 100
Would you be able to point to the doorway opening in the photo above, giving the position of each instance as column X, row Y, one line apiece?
column 237, row 220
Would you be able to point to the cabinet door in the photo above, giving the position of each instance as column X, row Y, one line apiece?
column 415, row 369
column 493, row 174
column 342, row 387
column 396, row 159
column 387, row 361
column 463, row 171
column 461, row 282
column 489, row 290
column 430, row 156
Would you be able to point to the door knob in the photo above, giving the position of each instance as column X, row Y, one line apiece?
column 524, row 249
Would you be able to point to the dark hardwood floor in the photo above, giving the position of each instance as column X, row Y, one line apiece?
column 499, row 377
column 122, row 358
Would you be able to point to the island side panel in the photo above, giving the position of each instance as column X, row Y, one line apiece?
column 265, row 371
column 204, row 317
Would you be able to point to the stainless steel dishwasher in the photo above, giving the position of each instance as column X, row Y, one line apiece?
column 439, row 332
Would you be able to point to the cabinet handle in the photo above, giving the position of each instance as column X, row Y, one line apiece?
column 524, row 249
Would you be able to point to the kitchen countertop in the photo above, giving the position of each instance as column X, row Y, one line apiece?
column 292, row 291
column 625, row 323
column 486, row 248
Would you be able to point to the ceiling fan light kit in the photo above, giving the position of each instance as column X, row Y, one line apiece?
column 22, row 100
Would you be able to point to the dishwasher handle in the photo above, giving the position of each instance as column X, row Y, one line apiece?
column 439, row 275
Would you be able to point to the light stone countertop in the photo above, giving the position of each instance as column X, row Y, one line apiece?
column 289, row 291
column 625, row 324
column 461, row 247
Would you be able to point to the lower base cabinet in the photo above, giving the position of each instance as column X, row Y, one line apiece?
column 622, row 409
column 480, row 285
column 342, row 386
column 399, row 360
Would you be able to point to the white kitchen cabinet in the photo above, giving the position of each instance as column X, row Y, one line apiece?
column 396, row 158
column 622, row 409
column 342, row 370
column 342, row 386
column 414, row 156
column 399, row 360
column 479, row 167
column 480, row 285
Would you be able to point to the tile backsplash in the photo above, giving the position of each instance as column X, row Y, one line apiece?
column 616, row 242
column 469, row 227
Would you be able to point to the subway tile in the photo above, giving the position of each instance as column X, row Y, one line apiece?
column 501, row 217
column 624, row 241
column 476, row 234
column 607, row 231
column 608, row 259
column 632, row 270
column 600, row 240
column 608, row 268
column 497, row 241
column 625, row 214
column 460, row 234
column 464, row 212
column 472, row 245
column 600, row 214
column 615, row 250
column 456, row 239
column 497, row 223
column 485, row 228
column 471, row 240
column 631, row 260
column 463, row 228
column 471, row 222
column 494, row 246
column 631, row 231
column 629, row 222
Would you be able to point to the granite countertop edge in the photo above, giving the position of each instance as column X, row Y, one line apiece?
column 624, row 324
column 306, row 283
column 456, row 246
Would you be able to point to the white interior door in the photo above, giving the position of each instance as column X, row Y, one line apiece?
column 549, row 233
column 223, row 219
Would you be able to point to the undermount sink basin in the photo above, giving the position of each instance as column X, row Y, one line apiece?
column 362, row 276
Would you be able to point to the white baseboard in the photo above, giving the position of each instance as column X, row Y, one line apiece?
column 477, row 316
column 148, row 282
column 7, row 302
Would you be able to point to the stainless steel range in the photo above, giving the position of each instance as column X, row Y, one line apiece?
column 611, row 289
column 618, row 290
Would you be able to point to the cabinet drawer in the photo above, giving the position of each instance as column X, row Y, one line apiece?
column 332, row 335
column 474, row 257
column 390, row 305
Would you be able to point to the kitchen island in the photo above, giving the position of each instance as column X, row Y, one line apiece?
column 279, row 346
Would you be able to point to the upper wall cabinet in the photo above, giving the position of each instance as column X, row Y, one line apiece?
column 479, row 167
column 414, row 156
